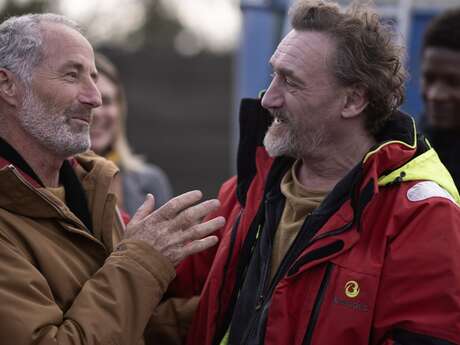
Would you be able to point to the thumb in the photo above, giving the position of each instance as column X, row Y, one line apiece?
column 145, row 209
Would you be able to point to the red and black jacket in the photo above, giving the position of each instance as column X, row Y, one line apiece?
column 370, row 266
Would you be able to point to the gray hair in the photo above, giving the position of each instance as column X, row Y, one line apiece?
column 21, row 44
column 366, row 55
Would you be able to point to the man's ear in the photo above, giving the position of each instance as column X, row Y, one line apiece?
column 9, row 91
column 355, row 102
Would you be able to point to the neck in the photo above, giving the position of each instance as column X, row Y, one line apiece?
column 332, row 162
column 44, row 163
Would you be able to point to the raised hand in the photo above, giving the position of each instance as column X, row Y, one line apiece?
column 176, row 229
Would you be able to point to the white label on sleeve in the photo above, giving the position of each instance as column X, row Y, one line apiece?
column 427, row 189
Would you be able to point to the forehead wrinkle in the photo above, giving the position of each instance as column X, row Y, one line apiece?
column 296, row 52
column 282, row 54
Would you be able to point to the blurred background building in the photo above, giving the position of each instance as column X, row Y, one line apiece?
column 186, row 63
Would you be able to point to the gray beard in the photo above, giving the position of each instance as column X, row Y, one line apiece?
column 51, row 128
column 294, row 143
column 279, row 145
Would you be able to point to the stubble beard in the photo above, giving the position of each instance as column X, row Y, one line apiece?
column 51, row 127
column 293, row 140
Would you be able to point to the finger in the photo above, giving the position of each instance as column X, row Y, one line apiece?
column 195, row 214
column 145, row 209
column 197, row 246
column 174, row 206
column 201, row 230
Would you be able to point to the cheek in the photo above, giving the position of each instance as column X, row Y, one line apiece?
column 296, row 105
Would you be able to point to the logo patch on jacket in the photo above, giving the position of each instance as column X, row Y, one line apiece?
column 427, row 189
column 352, row 289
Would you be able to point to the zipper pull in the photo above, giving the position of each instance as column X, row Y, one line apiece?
column 260, row 301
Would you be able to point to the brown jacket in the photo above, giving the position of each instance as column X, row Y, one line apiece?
column 61, row 285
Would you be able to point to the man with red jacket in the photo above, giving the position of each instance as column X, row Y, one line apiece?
column 343, row 225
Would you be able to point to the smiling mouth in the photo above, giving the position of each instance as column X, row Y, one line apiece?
column 82, row 119
column 278, row 117
column 278, row 121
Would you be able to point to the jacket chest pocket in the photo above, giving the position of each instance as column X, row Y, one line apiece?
column 346, row 313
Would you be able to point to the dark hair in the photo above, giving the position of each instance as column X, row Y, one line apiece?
column 366, row 53
column 444, row 31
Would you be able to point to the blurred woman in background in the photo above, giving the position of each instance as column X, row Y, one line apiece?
column 108, row 139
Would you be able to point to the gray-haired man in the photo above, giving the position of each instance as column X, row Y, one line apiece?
column 70, row 272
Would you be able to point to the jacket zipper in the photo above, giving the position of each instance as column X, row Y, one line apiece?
column 267, row 286
column 265, row 298
column 218, row 335
column 51, row 203
column 317, row 306
column 265, row 276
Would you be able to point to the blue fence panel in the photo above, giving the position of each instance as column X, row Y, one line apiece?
column 413, row 103
column 263, row 23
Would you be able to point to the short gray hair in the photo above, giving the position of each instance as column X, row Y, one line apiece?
column 21, row 44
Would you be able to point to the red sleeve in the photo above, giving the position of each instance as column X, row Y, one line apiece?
column 419, row 294
column 193, row 271
column 124, row 216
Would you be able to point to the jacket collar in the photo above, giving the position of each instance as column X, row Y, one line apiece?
column 397, row 143
column 12, row 163
column 8, row 155
column 254, row 122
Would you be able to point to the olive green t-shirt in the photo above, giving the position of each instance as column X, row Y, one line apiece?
column 300, row 202
column 58, row 192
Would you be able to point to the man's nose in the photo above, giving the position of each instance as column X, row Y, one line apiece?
column 273, row 97
column 90, row 95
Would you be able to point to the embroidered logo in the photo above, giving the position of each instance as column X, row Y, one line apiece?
column 352, row 289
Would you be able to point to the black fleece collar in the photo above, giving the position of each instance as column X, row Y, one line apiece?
column 12, row 156
column 75, row 196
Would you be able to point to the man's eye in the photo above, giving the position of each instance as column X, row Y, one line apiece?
column 72, row 75
column 284, row 79
column 290, row 82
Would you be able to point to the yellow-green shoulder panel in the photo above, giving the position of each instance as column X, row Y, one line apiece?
column 426, row 167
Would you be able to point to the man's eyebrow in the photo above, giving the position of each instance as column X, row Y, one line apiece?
column 288, row 73
column 79, row 66
column 73, row 64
